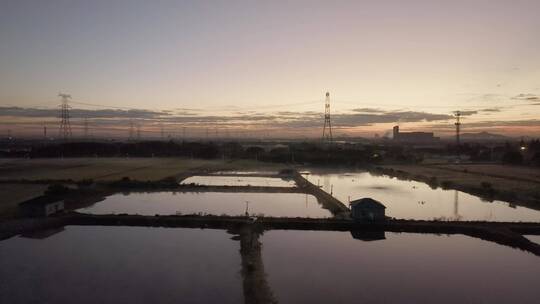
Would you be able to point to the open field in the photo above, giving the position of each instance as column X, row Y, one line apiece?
column 12, row 194
column 527, row 174
column 38, row 173
column 108, row 169
column 510, row 183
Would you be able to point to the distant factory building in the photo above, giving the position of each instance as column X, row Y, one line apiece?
column 367, row 209
column 41, row 206
column 413, row 137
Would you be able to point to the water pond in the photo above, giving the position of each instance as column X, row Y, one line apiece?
column 415, row 200
column 216, row 203
column 333, row 267
column 238, row 181
column 121, row 265
column 99, row 264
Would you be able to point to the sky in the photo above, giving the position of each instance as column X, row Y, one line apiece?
column 263, row 67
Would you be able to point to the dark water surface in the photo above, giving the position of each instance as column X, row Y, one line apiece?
column 121, row 265
column 332, row 267
column 80, row 264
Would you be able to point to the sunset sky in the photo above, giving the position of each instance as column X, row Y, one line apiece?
column 265, row 66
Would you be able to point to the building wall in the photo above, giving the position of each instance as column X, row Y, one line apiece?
column 369, row 214
column 54, row 208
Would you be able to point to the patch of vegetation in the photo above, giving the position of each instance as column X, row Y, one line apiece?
column 447, row 184
column 56, row 189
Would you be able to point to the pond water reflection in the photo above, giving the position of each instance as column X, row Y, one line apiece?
column 121, row 265
column 97, row 264
column 238, row 181
column 534, row 238
column 415, row 200
column 217, row 203
column 332, row 267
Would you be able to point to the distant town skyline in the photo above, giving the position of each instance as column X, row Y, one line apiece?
column 242, row 66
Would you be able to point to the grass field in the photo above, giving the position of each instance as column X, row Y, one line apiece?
column 38, row 173
column 511, row 181
column 12, row 194
column 528, row 174
column 107, row 169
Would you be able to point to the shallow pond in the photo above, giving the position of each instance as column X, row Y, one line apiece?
column 121, row 265
column 216, row 203
column 533, row 238
column 98, row 264
column 415, row 200
column 239, row 181
column 332, row 267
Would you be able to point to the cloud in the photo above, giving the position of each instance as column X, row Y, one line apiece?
column 283, row 119
column 487, row 97
column 363, row 119
column 369, row 110
column 490, row 110
column 80, row 113
column 492, row 124
column 526, row 97
column 468, row 113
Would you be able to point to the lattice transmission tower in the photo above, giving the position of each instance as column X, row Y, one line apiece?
column 327, row 129
column 65, row 126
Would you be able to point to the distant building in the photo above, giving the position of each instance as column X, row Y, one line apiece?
column 413, row 137
column 41, row 206
column 367, row 209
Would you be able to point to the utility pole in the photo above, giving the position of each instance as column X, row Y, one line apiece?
column 85, row 127
column 458, row 130
column 131, row 130
column 327, row 129
column 45, row 132
column 65, row 126
column 456, row 205
column 138, row 132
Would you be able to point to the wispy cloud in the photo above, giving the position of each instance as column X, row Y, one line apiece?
column 490, row 110
column 81, row 113
column 368, row 110
column 468, row 113
column 526, row 97
column 283, row 119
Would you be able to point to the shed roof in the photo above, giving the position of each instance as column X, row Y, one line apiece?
column 40, row 201
column 367, row 202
